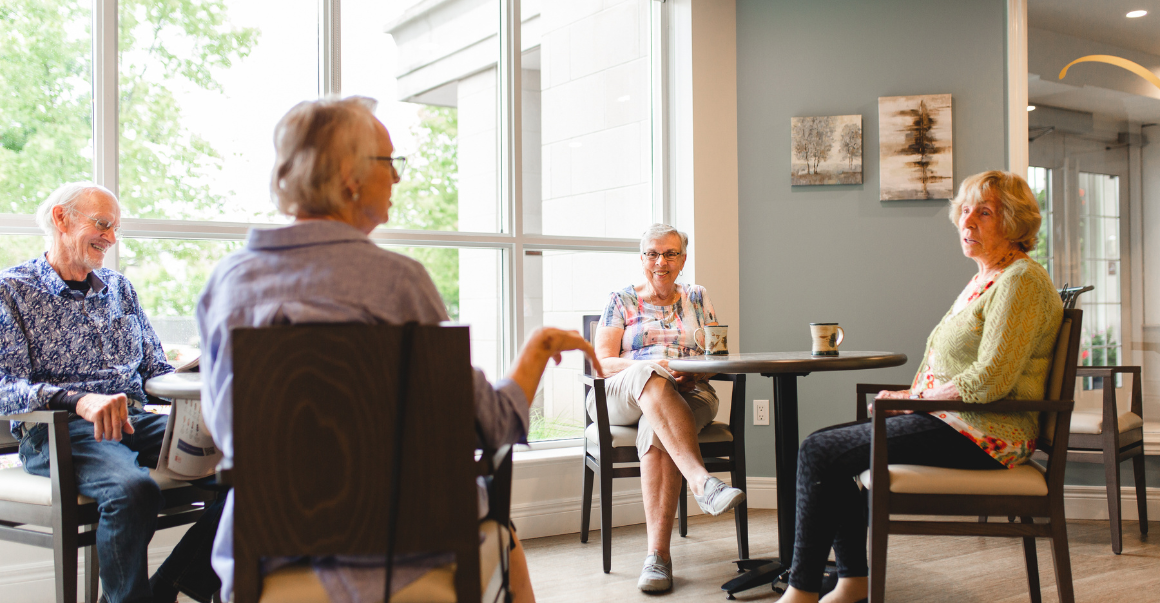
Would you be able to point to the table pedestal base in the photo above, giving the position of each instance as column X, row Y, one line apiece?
column 757, row 573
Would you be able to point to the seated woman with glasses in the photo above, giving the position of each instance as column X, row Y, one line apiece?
column 334, row 174
column 642, row 327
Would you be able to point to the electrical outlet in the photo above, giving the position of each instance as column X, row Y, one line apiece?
column 761, row 412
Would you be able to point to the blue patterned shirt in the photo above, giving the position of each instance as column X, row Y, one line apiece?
column 54, row 338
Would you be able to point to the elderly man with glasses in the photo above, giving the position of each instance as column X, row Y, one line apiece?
column 74, row 337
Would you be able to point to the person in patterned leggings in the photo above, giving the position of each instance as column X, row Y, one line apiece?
column 995, row 343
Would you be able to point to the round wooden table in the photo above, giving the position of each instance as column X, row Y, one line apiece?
column 175, row 386
column 785, row 368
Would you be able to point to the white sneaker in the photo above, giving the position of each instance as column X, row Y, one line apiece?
column 657, row 575
column 718, row 498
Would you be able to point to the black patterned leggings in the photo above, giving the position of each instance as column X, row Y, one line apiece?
column 832, row 511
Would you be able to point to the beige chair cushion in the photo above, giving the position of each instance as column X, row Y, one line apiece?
column 626, row 436
column 299, row 584
column 1023, row 480
column 18, row 486
column 1092, row 422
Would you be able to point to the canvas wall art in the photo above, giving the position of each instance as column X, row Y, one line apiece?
column 826, row 150
column 915, row 158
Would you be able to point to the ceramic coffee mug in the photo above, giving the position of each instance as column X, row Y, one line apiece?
column 715, row 339
column 827, row 336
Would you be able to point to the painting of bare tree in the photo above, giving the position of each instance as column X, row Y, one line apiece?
column 915, row 150
column 826, row 150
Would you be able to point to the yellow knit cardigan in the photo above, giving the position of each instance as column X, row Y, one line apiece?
column 1000, row 346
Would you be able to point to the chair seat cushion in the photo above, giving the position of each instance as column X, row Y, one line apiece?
column 1023, row 480
column 1092, row 421
column 299, row 583
column 623, row 436
column 18, row 486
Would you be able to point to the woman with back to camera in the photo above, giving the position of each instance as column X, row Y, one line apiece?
column 642, row 327
column 996, row 342
column 334, row 172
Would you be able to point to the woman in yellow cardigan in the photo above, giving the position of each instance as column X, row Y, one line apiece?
column 996, row 342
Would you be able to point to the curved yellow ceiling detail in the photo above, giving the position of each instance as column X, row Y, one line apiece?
column 1136, row 68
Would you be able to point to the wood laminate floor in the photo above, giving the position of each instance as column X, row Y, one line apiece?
column 920, row 568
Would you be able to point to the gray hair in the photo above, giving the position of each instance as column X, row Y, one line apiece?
column 660, row 231
column 311, row 143
column 68, row 196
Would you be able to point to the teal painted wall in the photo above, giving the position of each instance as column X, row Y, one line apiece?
column 887, row 271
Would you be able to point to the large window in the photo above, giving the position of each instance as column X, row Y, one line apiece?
column 1099, row 198
column 173, row 106
column 1040, row 180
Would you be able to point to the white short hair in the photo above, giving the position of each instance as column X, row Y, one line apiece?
column 311, row 142
column 67, row 196
column 660, row 231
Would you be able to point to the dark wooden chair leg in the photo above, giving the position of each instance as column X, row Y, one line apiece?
column 92, row 571
column 606, row 515
column 1061, row 557
column 586, row 503
column 1032, row 558
column 878, row 544
column 64, row 549
column 1112, row 477
column 683, row 509
column 1141, row 491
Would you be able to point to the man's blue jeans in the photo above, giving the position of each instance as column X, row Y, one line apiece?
column 114, row 474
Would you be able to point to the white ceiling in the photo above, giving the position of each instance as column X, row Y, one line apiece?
column 1101, row 21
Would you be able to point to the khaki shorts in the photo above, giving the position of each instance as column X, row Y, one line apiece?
column 623, row 390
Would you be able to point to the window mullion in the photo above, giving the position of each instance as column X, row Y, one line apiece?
column 329, row 47
column 511, row 169
column 106, row 133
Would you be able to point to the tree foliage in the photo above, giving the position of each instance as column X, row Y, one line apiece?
column 812, row 139
column 851, row 143
column 165, row 169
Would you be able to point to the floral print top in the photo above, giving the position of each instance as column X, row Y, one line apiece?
column 1010, row 452
column 54, row 338
column 652, row 332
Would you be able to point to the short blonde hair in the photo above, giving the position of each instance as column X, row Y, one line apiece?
column 311, row 144
column 1018, row 207
column 660, row 231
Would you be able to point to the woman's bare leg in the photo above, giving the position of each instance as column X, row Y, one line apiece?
column 660, row 482
column 520, row 579
column 673, row 422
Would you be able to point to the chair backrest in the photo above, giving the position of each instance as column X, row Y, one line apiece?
column 588, row 323
column 314, row 432
column 1069, row 295
column 1064, row 363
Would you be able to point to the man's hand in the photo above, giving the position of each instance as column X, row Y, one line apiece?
column 108, row 414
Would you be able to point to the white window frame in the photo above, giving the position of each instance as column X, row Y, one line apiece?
column 511, row 241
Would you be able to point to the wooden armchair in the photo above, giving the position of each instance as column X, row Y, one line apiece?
column 605, row 446
column 316, row 443
column 1027, row 491
column 28, row 502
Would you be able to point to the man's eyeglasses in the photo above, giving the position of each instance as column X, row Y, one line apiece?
column 101, row 224
column 397, row 163
column 668, row 255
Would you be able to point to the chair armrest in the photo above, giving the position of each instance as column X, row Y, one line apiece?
column 723, row 377
column 925, row 405
column 871, row 389
column 1105, row 371
column 588, row 380
column 38, row 416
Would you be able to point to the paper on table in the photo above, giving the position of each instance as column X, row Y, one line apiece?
column 187, row 449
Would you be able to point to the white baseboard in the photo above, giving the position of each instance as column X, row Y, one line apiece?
column 562, row 516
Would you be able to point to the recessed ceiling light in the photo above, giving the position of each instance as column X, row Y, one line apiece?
column 1030, row 108
column 1136, row 14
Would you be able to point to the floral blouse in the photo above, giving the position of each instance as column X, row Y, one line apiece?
column 658, row 331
